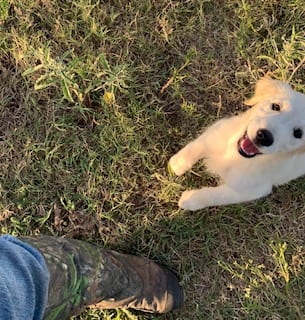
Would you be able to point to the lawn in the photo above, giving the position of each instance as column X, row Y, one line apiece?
column 96, row 96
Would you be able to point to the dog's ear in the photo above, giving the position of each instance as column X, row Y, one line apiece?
column 267, row 87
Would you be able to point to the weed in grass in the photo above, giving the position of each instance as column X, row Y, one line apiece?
column 4, row 10
column 265, row 288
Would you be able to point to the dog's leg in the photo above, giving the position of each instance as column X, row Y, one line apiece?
column 222, row 195
column 188, row 156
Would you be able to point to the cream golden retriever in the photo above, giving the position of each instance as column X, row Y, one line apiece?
column 251, row 152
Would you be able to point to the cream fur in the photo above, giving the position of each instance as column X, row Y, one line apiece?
column 246, row 179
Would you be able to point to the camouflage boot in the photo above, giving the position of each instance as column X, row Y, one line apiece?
column 83, row 275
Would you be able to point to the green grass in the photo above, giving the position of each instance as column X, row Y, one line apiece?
column 97, row 95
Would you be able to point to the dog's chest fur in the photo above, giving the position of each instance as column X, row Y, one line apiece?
column 239, row 172
column 224, row 160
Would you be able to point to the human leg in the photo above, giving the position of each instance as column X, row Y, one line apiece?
column 24, row 279
column 83, row 275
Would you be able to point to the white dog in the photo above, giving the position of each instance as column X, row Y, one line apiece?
column 251, row 152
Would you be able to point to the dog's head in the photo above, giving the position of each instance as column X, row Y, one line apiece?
column 276, row 121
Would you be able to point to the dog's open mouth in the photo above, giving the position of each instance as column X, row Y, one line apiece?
column 247, row 148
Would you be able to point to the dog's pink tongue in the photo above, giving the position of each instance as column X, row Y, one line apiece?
column 248, row 146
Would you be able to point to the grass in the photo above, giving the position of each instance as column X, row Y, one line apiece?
column 96, row 96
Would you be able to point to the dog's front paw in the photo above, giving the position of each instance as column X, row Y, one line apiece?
column 189, row 200
column 178, row 165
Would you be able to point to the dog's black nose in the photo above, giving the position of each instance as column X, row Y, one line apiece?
column 264, row 137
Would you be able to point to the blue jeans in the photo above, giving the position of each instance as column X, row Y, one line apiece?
column 24, row 280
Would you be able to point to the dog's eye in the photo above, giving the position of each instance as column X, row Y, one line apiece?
column 275, row 107
column 297, row 133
